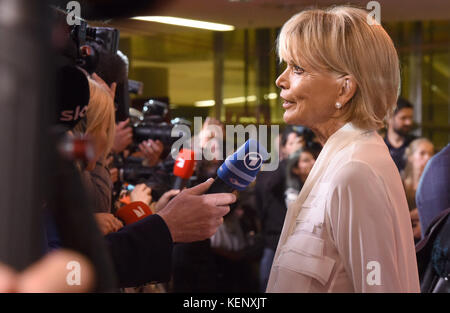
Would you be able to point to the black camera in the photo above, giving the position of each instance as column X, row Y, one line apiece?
column 97, row 40
column 159, row 178
column 153, row 125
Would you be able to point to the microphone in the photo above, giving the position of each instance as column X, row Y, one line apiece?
column 183, row 168
column 240, row 168
column 133, row 212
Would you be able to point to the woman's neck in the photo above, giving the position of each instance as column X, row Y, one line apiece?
column 325, row 130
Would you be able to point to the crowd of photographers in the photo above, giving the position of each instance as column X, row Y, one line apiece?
column 109, row 207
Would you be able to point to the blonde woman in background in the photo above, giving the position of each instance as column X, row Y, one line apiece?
column 349, row 229
column 100, row 119
column 417, row 155
column 99, row 126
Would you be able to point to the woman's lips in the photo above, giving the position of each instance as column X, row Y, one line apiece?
column 287, row 104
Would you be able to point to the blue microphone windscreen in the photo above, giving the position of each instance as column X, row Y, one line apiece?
column 241, row 168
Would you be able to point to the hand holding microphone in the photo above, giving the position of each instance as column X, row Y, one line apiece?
column 165, row 198
column 194, row 215
column 240, row 168
column 141, row 193
column 138, row 208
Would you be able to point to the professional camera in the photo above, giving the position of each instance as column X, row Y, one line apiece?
column 90, row 42
column 153, row 125
column 159, row 178
column 93, row 49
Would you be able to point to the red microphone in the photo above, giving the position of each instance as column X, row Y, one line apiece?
column 183, row 168
column 133, row 212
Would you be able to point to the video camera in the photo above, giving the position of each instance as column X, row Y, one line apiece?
column 153, row 125
column 131, row 171
column 95, row 38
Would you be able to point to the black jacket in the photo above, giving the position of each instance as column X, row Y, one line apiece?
column 141, row 252
column 269, row 189
column 433, row 256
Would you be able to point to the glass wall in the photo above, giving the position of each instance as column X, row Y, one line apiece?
column 424, row 52
column 232, row 75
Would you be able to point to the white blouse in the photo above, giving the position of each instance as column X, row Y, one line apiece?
column 349, row 229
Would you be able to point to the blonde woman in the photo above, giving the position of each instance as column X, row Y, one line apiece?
column 100, row 119
column 349, row 229
column 417, row 155
column 99, row 125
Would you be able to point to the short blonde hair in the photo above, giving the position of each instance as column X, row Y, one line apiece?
column 100, row 116
column 340, row 40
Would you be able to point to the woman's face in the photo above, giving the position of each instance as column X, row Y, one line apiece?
column 293, row 143
column 421, row 156
column 305, row 163
column 309, row 96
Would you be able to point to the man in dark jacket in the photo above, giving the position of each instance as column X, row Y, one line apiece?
column 269, row 190
column 397, row 136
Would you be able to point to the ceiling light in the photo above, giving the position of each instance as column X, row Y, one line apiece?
column 210, row 103
column 205, row 103
column 185, row 22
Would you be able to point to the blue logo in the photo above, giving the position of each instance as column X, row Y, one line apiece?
column 253, row 161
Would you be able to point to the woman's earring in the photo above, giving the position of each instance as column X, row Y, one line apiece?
column 338, row 105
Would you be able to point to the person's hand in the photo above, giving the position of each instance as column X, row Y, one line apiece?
column 110, row 89
column 165, row 198
column 193, row 216
column 141, row 193
column 49, row 274
column 108, row 223
column 123, row 136
column 152, row 151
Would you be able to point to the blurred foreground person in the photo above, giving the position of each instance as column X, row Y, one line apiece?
column 50, row 274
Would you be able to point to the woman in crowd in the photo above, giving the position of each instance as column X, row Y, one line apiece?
column 417, row 155
column 99, row 126
column 297, row 170
column 349, row 230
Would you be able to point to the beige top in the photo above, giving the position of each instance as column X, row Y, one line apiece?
column 349, row 229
